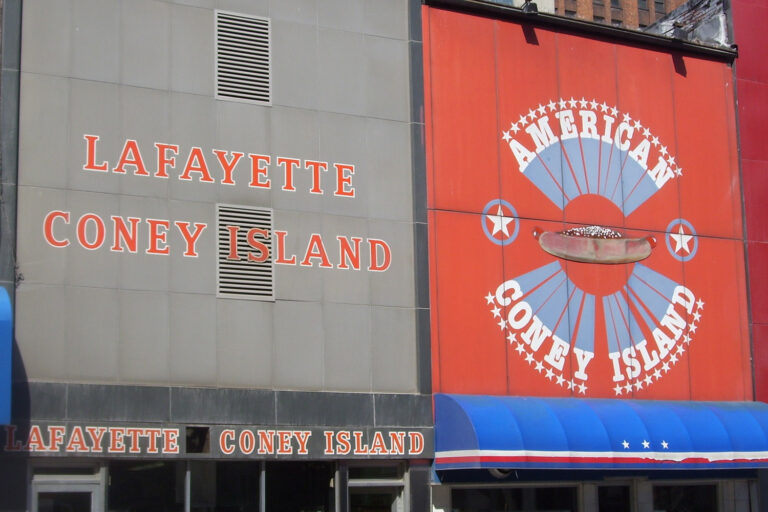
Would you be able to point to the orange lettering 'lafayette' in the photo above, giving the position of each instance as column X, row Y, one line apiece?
column 220, row 166
column 92, row 439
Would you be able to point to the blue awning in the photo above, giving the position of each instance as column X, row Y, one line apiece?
column 6, row 351
column 474, row 431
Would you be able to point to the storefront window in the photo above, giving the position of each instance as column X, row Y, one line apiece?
column 685, row 498
column 541, row 499
column 613, row 498
column 224, row 486
column 150, row 486
column 367, row 472
column 299, row 487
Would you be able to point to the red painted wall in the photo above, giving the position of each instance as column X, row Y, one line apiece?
column 749, row 21
column 531, row 131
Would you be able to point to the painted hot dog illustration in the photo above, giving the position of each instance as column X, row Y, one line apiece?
column 594, row 244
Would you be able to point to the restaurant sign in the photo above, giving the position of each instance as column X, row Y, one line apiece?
column 223, row 441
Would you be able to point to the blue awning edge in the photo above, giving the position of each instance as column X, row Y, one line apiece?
column 481, row 431
column 6, row 352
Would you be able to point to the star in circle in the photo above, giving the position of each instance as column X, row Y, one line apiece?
column 500, row 222
column 682, row 241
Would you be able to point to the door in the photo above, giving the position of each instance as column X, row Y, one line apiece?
column 54, row 491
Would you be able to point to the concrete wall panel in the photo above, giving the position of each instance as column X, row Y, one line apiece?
column 96, row 40
column 144, row 337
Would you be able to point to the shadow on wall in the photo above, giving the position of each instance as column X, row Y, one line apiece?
column 13, row 472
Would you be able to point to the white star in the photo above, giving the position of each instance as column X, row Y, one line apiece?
column 582, row 389
column 520, row 348
column 673, row 358
column 529, row 358
column 502, row 324
column 531, row 114
column 539, row 366
column 490, row 298
column 665, row 445
column 550, row 374
column 663, row 150
column 637, row 125
column 648, row 380
column 680, row 350
column 572, row 102
column 696, row 316
column 552, row 105
column 496, row 312
column 507, row 137
column 593, row 104
column 603, row 107
column 570, row 384
column 628, row 387
column 515, row 128
column 646, row 444
column 646, row 132
column 618, row 389
column 700, row 304
column 679, row 171
column 560, row 380
column 692, row 328
column 562, row 103
column 625, row 444
column 638, row 385
column 657, row 374
column 614, row 111
column 583, row 103
column 542, row 109
column 655, row 141
column 627, row 118
column 512, row 337
column 521, row 120
column 665, row 367
column 681, row 240
column 500, row 222
column 687, row 339
column 671, row 160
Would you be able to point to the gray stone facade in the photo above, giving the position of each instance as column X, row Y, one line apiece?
column 144, row 70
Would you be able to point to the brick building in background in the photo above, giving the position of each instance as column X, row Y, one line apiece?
column 625, row 13
column 631, row 14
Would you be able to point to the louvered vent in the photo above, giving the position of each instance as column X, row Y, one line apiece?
column 243, row 58
column 239, row 275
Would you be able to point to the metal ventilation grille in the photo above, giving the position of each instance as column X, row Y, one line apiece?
column 242, row 278
column 243, row 58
